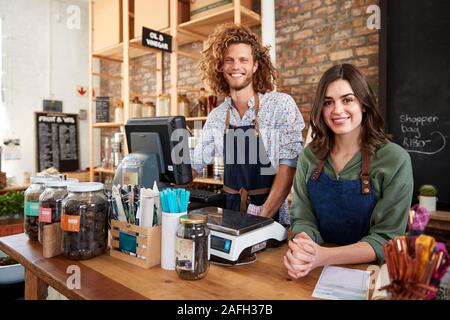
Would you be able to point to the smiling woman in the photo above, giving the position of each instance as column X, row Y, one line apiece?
column 352, row 187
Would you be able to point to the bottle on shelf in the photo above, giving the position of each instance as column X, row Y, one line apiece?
column 163, row 105
column 117, row 148
column 212, row 103
column 135, row 108
column 118, row 112
column 107, row 161
column 202, row 104
column 183, row 105
column 148, row 109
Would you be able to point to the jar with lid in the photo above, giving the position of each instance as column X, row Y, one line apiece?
column 50, row 203
column 148, row 109
column 183, row 105
column 163, row 105
column 192, row 247
column 202, row 107
column 118, row 112
column 135, row 108
column 31, row 205
column 84, row 221
column 132, row 170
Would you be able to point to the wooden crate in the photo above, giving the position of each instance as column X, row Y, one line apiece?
column 148, row 244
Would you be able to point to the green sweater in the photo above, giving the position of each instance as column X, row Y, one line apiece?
column 392, row 178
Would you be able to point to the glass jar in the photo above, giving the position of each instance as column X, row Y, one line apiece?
column 148, row 110
column 135, row 108
column 163, row 105
column 183, row 105
column 50, row 203
column 31, row 205
column 192, row 247
column 131, row 170
column 84, row 221
column 118, row 113
column 202, row 108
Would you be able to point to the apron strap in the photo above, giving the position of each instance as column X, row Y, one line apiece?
column 364, row 176
column 255, row 121
column 318, row 170
column 227, row 121
column 245, row 195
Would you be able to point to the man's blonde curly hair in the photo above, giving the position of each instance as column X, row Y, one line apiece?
column 211, row 64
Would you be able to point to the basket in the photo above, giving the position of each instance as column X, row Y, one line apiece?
column 136, row 245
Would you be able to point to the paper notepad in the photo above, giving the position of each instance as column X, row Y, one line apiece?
column 336, row 283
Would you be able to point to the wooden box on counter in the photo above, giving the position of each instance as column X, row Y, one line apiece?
column 148, row 244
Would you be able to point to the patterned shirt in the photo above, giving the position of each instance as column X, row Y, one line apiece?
column 280, row 126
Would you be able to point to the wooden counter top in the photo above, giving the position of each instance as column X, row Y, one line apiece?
column 105, row 277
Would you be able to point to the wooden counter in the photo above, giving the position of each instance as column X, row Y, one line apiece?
column 105, row 277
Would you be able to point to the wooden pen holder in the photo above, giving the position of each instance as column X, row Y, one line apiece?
column 136, row 245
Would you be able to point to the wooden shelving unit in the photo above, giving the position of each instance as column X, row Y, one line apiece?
column 107, row 125
column 128, row 49
column 209, row 181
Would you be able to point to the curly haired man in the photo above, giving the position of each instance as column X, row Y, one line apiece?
column 257, row 131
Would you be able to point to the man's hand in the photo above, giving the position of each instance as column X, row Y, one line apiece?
column 303, row 256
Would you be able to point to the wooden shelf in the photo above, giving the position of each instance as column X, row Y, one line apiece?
column 103, row 170
column 115, row 53
column 14, row 188
column 191, row 31
column 107, row 125
column 209, row 181
column 192, row 119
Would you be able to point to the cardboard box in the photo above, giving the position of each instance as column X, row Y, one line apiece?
column 155, row 14
column 201, row 8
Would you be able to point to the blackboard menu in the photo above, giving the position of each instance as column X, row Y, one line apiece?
column 418, row 88
column 102, row 109
column 57, row 141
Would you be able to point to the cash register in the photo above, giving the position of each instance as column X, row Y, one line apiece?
column 158, row 152
column 236, row 236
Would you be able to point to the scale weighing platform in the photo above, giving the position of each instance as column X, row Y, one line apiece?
column 235, row 236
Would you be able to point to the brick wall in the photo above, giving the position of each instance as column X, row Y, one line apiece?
column 311, row 36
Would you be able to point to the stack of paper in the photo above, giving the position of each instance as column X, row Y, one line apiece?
column 336, row 283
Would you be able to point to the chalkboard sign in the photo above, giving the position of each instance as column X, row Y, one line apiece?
column 157, row 40
column 102, row 109
column 418, row 88
column 57, row 141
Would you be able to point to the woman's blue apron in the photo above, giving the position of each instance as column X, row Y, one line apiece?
column 342, row 207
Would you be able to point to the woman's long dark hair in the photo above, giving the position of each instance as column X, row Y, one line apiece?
column 372, row 133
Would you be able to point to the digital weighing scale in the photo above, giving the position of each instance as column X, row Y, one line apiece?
column 236, row 236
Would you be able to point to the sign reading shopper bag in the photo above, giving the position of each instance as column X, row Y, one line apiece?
column 157, row 40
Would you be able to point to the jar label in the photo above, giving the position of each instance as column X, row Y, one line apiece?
column 130, row 178
column 45, row 215
column 185, row 254
column 31, row 208
column 70, row 223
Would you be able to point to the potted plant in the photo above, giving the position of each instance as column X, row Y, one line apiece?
column 11, row 205
column 428, row 197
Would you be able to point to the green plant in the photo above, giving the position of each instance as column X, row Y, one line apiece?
column 11, row 203
column 428, row 190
